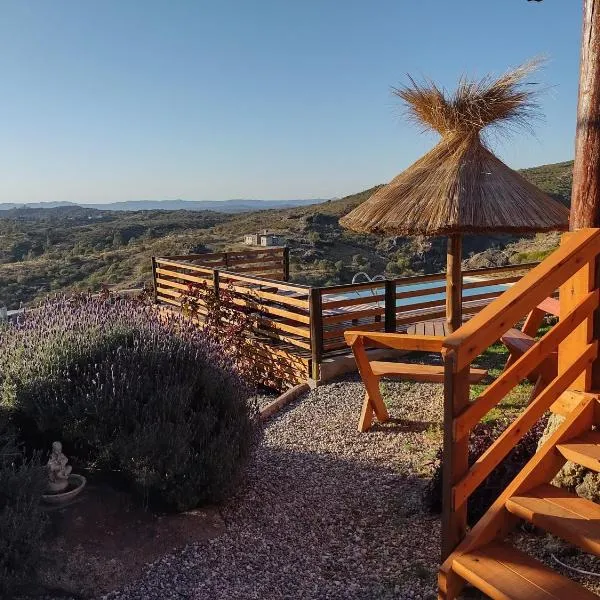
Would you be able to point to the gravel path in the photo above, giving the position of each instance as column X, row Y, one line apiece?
column 328, row 513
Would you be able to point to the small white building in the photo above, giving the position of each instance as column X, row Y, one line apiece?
column 262, row 239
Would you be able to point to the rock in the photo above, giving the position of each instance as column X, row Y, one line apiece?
column 487, row 259
column 573, row 477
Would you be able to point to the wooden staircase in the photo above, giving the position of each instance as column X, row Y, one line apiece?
column 481, row 556
column 500, row 570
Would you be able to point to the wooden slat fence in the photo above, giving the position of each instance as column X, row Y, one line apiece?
column 309, row 323
column 394, row 304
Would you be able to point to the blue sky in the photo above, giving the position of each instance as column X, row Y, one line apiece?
column 106, row 100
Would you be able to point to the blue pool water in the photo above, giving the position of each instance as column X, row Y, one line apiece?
column 419, row 286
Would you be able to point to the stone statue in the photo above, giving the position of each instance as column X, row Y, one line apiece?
column 58, row 470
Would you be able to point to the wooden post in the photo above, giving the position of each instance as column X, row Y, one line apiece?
column 456, row 453
column 454, row 283
column 286, row 264
column 216, row 283
column 316, row 331
column 390, row 305
column 585, row 197
column 154, row 284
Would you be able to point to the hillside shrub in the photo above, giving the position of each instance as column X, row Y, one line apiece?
column 482, row 436
column 156, row 400
column 22, row 521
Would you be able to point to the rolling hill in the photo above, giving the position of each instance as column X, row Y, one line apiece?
column 70, row 247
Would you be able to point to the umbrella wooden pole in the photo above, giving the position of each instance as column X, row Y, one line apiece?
column 454, row 283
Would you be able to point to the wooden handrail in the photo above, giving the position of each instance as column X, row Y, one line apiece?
column 521, row 368
column 492, row 457
column 496, row 318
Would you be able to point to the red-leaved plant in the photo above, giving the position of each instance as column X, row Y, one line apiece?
column 234, row 318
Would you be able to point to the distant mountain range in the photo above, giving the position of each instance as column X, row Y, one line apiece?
column 226, row 206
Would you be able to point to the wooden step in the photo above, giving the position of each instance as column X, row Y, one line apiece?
column 583, row 450
column 416, row 372
column 505, row 573
column 566, row 515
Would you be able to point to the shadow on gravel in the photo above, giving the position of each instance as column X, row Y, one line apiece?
column 324, row 526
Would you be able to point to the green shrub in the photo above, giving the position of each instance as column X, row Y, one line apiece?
column 157, row 401
column 22, row 522
column 482, row 436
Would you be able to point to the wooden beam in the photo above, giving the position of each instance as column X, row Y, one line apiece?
column 397, row 341
column 454, row 283
column 585, row 197
column 456, row 453
column 390, row 306
column 316, row 330
column 154, row 283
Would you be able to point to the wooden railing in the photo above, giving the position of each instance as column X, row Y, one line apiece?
column 570, row 268
column 394, row 304
column 280, row 310
column 313, row 320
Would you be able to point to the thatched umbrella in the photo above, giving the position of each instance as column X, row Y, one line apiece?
column 460, row 186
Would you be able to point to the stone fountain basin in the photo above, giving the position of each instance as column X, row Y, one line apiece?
column 76, row 485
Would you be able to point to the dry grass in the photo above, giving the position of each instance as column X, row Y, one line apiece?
column 460, row 186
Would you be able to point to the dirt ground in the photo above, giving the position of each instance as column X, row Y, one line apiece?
column 103, row 539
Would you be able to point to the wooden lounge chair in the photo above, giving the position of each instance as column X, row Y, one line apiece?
column 518, row 341
column 371, row 372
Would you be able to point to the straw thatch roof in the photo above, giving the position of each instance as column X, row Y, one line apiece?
column 460, row 186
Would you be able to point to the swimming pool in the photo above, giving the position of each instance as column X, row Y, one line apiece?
column 436, row 296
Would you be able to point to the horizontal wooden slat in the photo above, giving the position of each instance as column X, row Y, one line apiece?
column 420, row 306
column 468, row 285
column 422, row 292
column 187, row 267
column 230, row 275
column 273, row 310
column 353, row 315
column 352, row 287
column 279, row 298
column 184, row 276
column 332, row 334
column 353, row 301
column 482, row 296
column 168, row 300
column 504, row 269
column 276, row 335
column 265, row 322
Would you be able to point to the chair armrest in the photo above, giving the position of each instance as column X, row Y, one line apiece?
column 396, row 341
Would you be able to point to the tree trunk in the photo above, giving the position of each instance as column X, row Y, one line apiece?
column 585, row 198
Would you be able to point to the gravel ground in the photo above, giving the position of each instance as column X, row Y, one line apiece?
column 328, row 513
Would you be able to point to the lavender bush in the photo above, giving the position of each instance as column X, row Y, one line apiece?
column 156, row 400
column 22, row 522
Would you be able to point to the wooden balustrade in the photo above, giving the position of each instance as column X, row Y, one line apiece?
column 569, row 268
column 309, row 321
